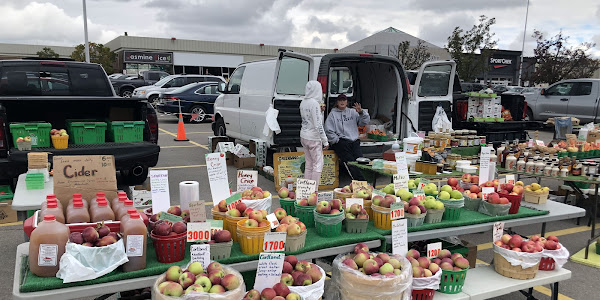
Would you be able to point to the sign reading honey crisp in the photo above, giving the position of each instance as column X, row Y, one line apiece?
column 85, row 174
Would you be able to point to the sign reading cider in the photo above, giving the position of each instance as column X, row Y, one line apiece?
column 148, row 57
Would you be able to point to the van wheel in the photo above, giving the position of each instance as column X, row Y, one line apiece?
column 126, row 93
column 220, row 127
column 199, row 112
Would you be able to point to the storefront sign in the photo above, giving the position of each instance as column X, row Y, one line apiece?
column 148, row 57
column 292, row 164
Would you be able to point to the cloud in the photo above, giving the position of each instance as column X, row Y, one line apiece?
column 465, row 5
column 438, row 33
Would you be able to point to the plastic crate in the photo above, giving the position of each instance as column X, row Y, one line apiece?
column 126, row 131
column 5, row 193
column 452, row 281
column 87, row 133
column 39, row 133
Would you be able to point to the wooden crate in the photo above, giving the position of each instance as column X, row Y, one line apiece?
column 537, row 198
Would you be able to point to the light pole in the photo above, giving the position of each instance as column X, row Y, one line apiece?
column 523, row 45
column 85, row 31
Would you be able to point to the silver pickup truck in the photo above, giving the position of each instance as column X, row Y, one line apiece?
column 577, row 98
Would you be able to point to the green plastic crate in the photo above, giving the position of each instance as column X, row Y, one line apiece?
column 288, row 206
column 5, row 193
column 87, row 133
column 39, row 133
column 126, row 132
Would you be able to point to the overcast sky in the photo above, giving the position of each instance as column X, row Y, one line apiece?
column 308, row 23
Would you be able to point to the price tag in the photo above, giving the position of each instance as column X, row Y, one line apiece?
column 215, row 225
column 397, row 211
column 401, row 165
column 484, row 165
column 246, row 180
column 539, row 143
column 419, row 194
column 268, row 270
column 197, row 211
column 422, row 183
column 400, row 182
column 159, row 184
column 325, row 196
column 485, row 191
column 530, row 143
column 274, row 241
column 305, row 187
column 233, row 200
column 201, row 254
column 378, row 192
column 350, row 201
column 498, row 231
column 399, row 237
column 198, row 232
column 273, row 220
column 170, row 218
column 434, row 249
column 510, row 179
column 357, row 185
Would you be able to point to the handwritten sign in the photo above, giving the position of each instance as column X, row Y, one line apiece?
column 305, row 187
column 357, row 185
column 397, row 211
column 434, row 249
column 401, row 165
column 273, row 220
column 325, row 196
column 350, row 201
column 215, row 225
column 274, row 241
column 419, row 194
column 485, row 191
column 246, row 180
column 268, row 271
column 510, row 179
column 198, row 232
column 484, row 165
column 201, row 254
column 400, row 182
column 159, row 184
column 170, row 218
column 497, row 231
column 197, row 211
column 233, row 200
column 399, row 237
column 217, row 176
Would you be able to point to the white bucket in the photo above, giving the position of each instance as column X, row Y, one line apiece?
column 412, row 144
column 411, row 160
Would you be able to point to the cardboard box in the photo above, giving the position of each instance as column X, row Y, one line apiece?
column 7, row 214
column 244, row 162
column 258, row 147
column 37, row 160
column 229, row 158
column 213, row 141
column 593, row 136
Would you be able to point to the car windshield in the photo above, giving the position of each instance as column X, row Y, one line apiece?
column 164, row 80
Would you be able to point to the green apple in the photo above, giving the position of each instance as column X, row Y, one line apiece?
column 446, row 188
column 400, row 192
column 439, row 205
column 456, row 195
column 406, row 196
column 429, row 190
column 444, row 195
column 417, row 181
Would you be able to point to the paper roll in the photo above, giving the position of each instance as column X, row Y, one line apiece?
column 188, row 191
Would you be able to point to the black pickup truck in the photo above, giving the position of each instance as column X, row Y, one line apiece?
column 125, row 87
column 56, row 91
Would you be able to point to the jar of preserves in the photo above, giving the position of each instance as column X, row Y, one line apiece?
column 555, row 171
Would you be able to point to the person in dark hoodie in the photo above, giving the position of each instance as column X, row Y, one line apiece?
column 341, row 129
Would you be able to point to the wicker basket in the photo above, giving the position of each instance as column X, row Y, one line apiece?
column 533, row 197
column 60, row 142
column 367, row 206
column 504, row 268
column 218, row 215
column 251, row 239
column 339, row 195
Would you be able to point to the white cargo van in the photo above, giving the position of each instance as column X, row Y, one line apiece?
column 377, row 82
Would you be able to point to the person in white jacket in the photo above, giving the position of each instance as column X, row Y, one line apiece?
column 312, row 134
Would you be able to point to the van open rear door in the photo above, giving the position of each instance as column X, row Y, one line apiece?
column 433, row 87
column 292, row 71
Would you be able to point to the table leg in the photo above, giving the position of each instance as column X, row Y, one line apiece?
column 22, row 216
column 593, row 219
column 544, row 229
column 555, row 291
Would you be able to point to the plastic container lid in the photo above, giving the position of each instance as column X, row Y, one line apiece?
column 77, row 203
column 100, row 194
column 101, row 198
column 132, row 210
column 77, row 195
column 134, row 215
column 49, row 218
column 102, row 203
column 128, row 202
column 122, row 194
column 123, row 198
column 52, row 205
column 50, row 196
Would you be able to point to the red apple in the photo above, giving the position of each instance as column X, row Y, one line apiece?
column 452, row 182
column 515, row 241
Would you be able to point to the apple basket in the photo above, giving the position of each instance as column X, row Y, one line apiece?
column 60, row 142
column 515, row 201
column 218, row 215
column 220, row 250
column 295, row 242
column 434, row 215
column 353, row 284
column 381, row 217
column 472, row 204
column 423, row 288
column 306, row 215
column 237, row 293
column 356, row 225
column 367, row 206
column 329, row 225
column 493, row 210
column 413, row 220
column 251, row 239
column 517, row 265
column 288, row 205
column 313, row 291
column 23, row 145
column 453, row 208
column 452, row 282
column 231, row 224
column 338, row 194
column 169, row 249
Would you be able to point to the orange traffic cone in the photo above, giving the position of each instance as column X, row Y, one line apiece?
column 181, row 130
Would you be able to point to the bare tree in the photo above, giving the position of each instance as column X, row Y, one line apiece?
column 413, row 58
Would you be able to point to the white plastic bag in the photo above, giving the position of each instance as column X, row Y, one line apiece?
column 523, row 259
column 583, row 132
column 427, row 283
column 560, row 256
column 311, row 292
column 271, row 124
column 259, row 204
column 80, row 263
column 440, row 121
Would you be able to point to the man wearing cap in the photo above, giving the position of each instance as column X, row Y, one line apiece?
column 341, row 128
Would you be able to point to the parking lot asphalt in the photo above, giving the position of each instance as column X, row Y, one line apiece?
column 185, row 161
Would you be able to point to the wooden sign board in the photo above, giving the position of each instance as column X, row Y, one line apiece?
column 85, row 174
column 292, row 164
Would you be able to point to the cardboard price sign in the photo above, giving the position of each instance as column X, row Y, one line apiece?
column 274, row 241
column 419, row 194
column 397, row 211
column 357, row 185
column 233, row 200
column 325, row 196
column 216, row 168
column 498, row 231
column 400, row 182
column 401, row 165
column 159, row 185
column 201, row 254
column 170, row 218
column 350, row 201
column 197, row 211
column 485, row 191
column 198, row 232
column 510, row 179
column 422, row 183
column 434, row 249
column 273, row 220
column 246, row 180
column 85, row 174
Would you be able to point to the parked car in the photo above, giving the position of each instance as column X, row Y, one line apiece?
column 196, row 100
column 56, row 91
column 468, row 87
column 124, row 86
column 577, row 98
column 170, row 83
